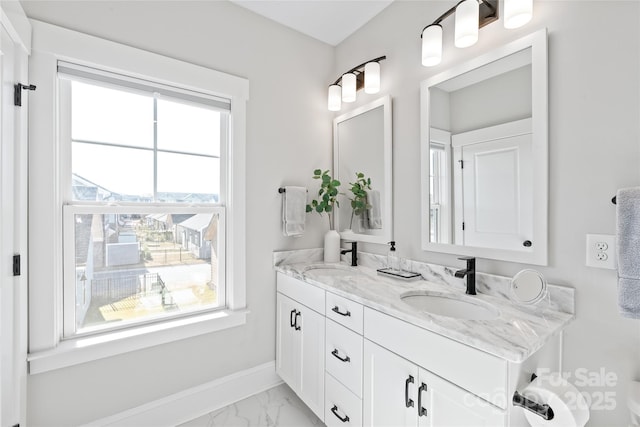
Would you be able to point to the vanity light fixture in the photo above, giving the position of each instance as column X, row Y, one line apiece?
column 517, row 13
column 466, row 28
column 365, row 75
column 349, row 87
column 470, row 16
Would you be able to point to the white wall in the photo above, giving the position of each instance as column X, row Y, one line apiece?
column 288, row 136
column 594, row 71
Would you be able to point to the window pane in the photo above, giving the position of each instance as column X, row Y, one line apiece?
column 137, row 267
column 111, row 173
column 101, row 114
column 188, row 128
column 181, row 175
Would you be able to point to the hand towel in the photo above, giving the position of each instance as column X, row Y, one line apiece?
column 628, row 245
column 374, row 212
column 294, row 209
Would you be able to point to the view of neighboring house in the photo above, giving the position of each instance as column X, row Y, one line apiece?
column 191, row 234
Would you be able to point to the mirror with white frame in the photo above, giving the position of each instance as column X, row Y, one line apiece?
column 362, row 144
column 484, row 145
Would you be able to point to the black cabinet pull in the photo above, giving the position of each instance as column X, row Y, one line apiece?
column 295, row 321
column 291, row 321
column 335, row 354
column 527, row 243
column 335, row 412
column 408, row 402
column 421, row 410
column 337, row 310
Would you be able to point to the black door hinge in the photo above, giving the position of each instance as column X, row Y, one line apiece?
column 463, row 226
column 16, row 265
column 461, row 164
column 17, row 92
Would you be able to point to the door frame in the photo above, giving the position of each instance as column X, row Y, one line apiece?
column 13, row 208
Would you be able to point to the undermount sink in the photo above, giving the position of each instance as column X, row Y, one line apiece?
column 449, row 306
column 330, row 270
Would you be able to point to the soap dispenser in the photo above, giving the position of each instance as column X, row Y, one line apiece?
column 392, row 258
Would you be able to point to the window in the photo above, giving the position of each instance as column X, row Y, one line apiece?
column 440, row 220
column 143, row 208
column 61, row 58
column 437, row 191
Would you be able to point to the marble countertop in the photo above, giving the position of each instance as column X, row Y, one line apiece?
column 518, row 332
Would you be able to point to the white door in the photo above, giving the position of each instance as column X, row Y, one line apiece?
column 13, row 289
column 497, row 189
column 311, row 331
column 287, row 342
column 447, row 405
column 389, row 391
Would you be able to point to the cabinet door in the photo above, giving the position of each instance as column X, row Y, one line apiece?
column 447, row 405
column 389, row 392
column 287, row 342
column 311, row 333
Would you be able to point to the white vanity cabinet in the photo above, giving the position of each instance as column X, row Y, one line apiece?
column 343, row 362
column 398, row 392
column 300, row 340
column 354, row 365
column 413, row 377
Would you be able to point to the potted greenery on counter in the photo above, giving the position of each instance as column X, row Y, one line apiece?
column 327, row 200
column 327, row 195
column 359, row 189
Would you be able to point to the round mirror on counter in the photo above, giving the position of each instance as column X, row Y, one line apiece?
column 528, row 287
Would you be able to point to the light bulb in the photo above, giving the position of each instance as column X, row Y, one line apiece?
column 348, row 87
column 372, row 77
column 335, row 98
column 467, row 17
column 432, row 45
column 517, row 13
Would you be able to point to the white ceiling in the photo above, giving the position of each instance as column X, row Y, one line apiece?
column 330, row 21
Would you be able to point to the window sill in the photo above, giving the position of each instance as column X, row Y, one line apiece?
column 80, row 350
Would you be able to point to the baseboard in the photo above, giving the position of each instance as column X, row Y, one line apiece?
column 197, row 401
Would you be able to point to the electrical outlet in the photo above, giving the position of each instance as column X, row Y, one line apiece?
column 601, row 251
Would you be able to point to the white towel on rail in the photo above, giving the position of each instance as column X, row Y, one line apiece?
column 374, row 213
column 628, row 242
column 294, row 209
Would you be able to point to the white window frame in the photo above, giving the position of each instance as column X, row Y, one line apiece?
column 52, row 44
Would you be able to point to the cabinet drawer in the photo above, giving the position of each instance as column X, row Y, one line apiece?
column 304, row 293
column 480, row 373
column 342, row 408
column 345, row 312
column 343, row 356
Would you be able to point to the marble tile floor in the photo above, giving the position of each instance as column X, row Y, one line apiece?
column 276, row 407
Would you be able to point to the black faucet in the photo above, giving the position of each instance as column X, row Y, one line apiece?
column 354, row 253
column 470, row 272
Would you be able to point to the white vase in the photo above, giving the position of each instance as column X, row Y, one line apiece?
column 332, row 246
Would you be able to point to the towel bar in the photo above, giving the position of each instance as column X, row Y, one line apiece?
column 284, row 190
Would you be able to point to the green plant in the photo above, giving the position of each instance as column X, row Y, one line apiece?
column 359, row 201
column 326, row 195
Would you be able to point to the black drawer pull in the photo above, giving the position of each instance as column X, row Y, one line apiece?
column 335, row 354
column 408, row 402
column 291, row 322
column 335, row 309
column 421, row 410
column 335, row 412
column 295, row 322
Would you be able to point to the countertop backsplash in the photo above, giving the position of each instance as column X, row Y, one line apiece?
column 559, row 298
